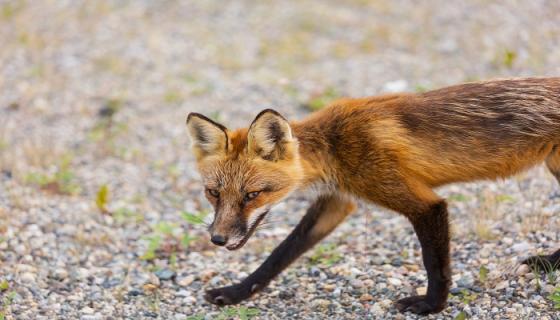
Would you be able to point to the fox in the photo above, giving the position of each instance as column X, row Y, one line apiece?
column 390, row 150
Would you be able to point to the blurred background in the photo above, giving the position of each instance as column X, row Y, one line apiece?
column 101, row 210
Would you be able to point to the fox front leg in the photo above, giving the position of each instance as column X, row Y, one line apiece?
column 321, row 218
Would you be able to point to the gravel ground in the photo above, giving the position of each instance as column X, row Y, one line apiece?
column 93, row 99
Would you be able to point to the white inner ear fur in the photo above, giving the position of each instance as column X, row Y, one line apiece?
column 267, row 132
column 206, row 136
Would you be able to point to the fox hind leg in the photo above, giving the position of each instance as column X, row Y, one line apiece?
column 553, row 162
column 551, row 262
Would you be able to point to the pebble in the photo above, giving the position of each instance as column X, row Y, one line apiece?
column 27, row 277
column 186, row 281
column 421, row 290
column 502, row 285
column 165, row 274
column 521, row 247
column 377, row 310
column 395, row 282
column 320, row 303
column 366, row 297
column 522, row 270
column 356, row 283
column 87, row 310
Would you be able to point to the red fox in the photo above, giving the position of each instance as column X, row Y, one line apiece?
column 391, row 150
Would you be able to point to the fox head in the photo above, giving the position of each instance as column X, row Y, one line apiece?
column 245, row 172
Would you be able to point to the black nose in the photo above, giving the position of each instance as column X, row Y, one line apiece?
column 218, row 240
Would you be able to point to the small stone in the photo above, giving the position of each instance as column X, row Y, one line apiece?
column 502, row 285
column 186, row 281
column 329, row 287
column 507, row 240
column 455, row 291
column 183, row 293
column 337, row 292
column 207, row 275
column 465, row 281
column 149, row 288
column 421, row 290
column 320, row 303
column 395, row 282
column 412, row 267
column 134, row 292
column 356, row 283
column 522, row 270
column 521, row 247
column 165, row 274
column 87, row 310
column 377, row 310
column 285, row 295
column 314, row 272
column 27, row 277
column 386, row 303
column 366, row 297
column 395, row 86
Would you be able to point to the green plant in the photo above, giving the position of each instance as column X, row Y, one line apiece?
column 466, row 296
column 483, row 273
column 460, row 316
column 319, row 101
column 124, row 214
column 242, row 312
column 63, row 181
column 102, row 198
column 154, row 242
column 107, row 129
column 458, row 197
column 4, row 285
column 194, row 218
column 555, row 298
column 547, row 267
column 6, row 302
column 196, row 317
column 170, row 236
column 509, row 57
column 11, row 8
column 421, row 88
column 325, row 254
column 504, row 198
column 161, row 231
column 173, row 96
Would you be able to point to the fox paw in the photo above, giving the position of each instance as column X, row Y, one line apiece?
column 226, row 295
column 418, row 305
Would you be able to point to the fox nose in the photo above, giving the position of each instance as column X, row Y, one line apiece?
column 218, row 240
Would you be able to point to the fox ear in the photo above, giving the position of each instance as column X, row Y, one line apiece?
column 270, row 136
column 207, row 136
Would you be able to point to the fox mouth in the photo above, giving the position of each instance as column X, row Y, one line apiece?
column 240, row 243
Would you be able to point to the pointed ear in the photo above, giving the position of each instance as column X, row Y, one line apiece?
column 207, row 136
column 270, row 137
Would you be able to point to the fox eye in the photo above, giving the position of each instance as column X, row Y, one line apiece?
column 213, row 192
column 251, row 195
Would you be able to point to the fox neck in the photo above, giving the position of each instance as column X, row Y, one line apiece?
column 314, row 156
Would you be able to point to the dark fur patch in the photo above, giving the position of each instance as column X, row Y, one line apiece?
column 200, row 136
column 275, row 132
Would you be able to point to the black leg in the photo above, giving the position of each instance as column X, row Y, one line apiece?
column 548, row 263
column 321, row 218
column 432, row 229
